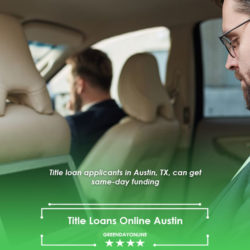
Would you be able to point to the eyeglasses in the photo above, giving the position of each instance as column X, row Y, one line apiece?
column 229, row 44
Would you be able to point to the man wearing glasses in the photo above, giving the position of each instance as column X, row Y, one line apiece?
column 229, row 222
column 236, row 38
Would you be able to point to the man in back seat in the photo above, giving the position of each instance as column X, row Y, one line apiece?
column 90, row 81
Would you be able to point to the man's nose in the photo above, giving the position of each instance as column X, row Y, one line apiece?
column 231, row 63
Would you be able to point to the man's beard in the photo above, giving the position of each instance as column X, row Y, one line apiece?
column 78, row 103
column 247, row 82
column 74, row 104
column 248, row 97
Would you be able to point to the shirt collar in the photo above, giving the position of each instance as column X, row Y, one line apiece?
column 87, row 106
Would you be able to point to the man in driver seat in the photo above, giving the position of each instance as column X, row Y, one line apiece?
column 95, row 111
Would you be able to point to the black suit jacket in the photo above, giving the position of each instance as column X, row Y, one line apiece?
column 87, row 127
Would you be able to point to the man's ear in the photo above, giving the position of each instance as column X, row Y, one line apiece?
column 80, row 85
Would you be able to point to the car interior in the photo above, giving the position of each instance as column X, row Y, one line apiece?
column 185, row 111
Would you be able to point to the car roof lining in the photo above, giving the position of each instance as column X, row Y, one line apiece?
column 102, row 19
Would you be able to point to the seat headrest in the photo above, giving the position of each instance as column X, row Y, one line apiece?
column 20, row 81
column 25, row 134
column 140, row 89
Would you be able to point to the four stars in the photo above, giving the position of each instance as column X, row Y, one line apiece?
column 120, row 243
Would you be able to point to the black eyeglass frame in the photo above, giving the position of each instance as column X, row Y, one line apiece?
column 224, row 36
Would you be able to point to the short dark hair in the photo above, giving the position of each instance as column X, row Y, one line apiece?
column 244, row 5
column 94, row 65
column 219, row 2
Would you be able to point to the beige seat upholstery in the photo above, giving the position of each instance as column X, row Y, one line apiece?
column 34, row 142
column 28, row 127
column 146, row 139
column 25, row 134
column 19, row 79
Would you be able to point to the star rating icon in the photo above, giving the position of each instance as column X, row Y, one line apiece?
column 130, row 243
column 109, row 243
column 140, row 243
column 120, row 243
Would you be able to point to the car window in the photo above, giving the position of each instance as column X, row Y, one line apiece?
column 40, row 50
column 222, row 93
column 44, row 55
column 119, row 48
